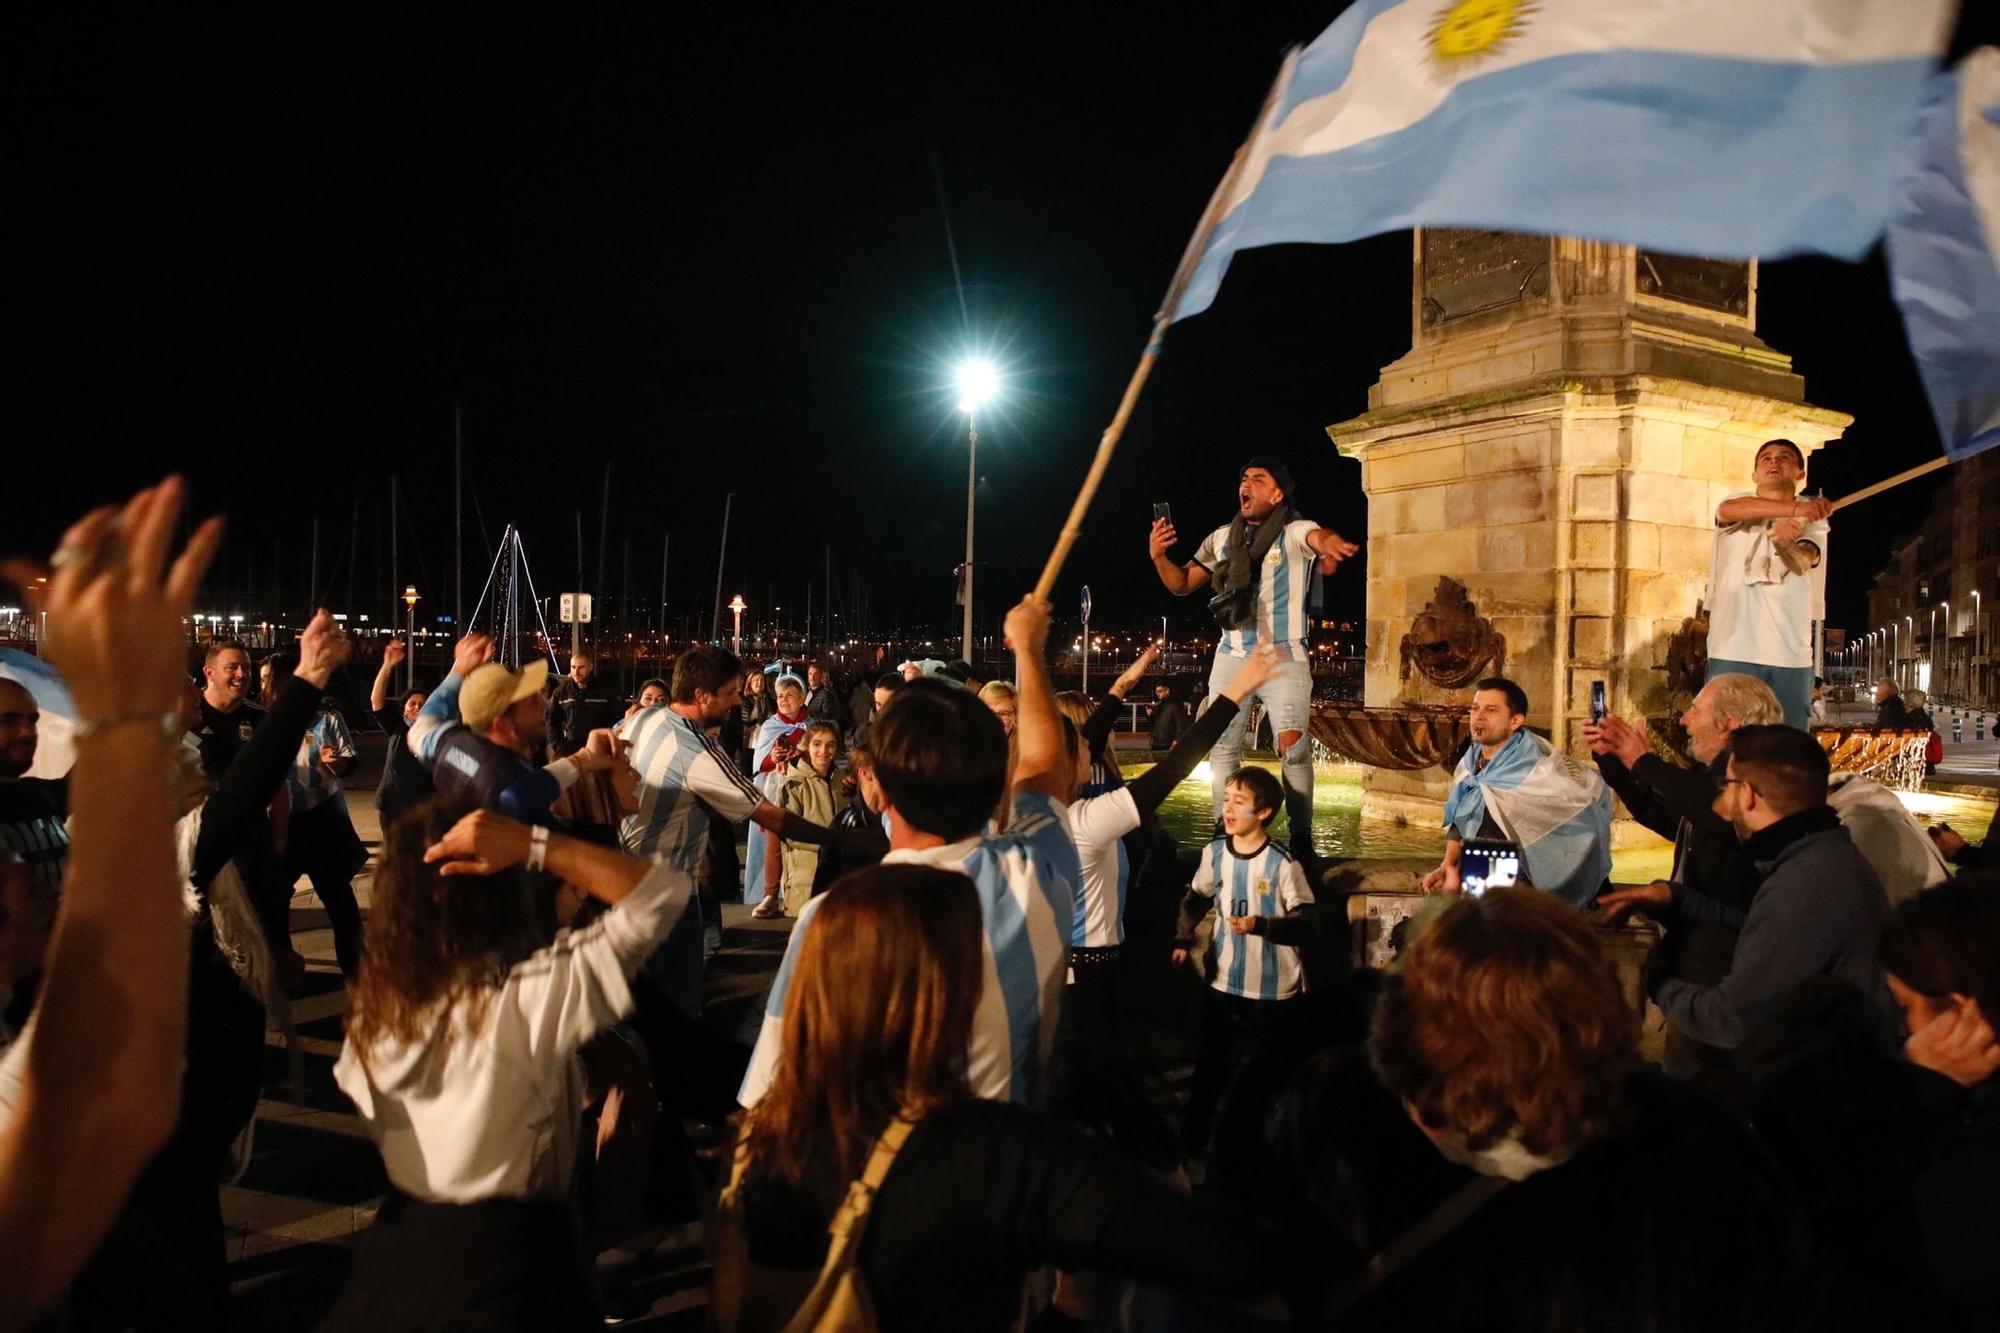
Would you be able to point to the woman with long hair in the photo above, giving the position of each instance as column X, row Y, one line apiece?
column 877, row 1022
column 461, row 1055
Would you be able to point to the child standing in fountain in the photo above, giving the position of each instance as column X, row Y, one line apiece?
column 1263, row 908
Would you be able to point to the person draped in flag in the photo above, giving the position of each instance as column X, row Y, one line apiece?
column 778, row 742
column 1260, row 564
column 1510, row 785
column 1263, row 907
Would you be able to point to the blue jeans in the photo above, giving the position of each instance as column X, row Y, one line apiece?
column 1287, row 698
column 1792, row 685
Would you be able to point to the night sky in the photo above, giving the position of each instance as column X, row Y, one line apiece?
column 272, row 253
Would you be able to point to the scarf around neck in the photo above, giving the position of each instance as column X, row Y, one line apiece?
column 1235, row 600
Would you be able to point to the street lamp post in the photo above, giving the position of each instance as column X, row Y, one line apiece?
column 737, row 606
column 410, row 600
column 1944, row 680
column 977, row 383
column 1979, row 651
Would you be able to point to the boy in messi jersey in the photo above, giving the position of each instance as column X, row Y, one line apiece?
column 1263, row 906
column 941, row 760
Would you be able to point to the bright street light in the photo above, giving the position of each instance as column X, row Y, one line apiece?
column 977, row 382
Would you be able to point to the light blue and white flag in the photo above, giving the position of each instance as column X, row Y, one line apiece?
column 1557, row 809
column 55, row 743
column 1944, row 252
column 1712, row 127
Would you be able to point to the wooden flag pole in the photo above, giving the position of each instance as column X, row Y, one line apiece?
column 1866, row 492
column 1197, row 246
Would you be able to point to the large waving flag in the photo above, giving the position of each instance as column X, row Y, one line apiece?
column 1557, row 809
column 1944, row 253
column 1715, row 127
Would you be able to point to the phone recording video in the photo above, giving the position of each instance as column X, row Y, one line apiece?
column 1485, row 864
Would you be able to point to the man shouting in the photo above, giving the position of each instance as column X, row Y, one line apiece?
column 1260, row 565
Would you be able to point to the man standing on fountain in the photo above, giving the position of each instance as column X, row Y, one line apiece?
column 1261, row 565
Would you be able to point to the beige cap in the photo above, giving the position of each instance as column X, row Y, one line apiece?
column 491, row 689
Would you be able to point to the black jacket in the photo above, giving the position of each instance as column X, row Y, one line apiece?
column 1890, row 715
column 577, row 710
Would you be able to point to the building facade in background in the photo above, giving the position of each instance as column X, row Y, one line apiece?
column 1930, row 611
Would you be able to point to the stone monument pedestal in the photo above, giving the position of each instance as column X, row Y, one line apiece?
column 1543, row 469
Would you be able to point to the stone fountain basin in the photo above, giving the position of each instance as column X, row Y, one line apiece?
column 1404, row 739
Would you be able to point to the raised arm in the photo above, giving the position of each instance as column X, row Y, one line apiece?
column 1152, row 787
column 393, row 654
column 1043, row 763
column 1180, row 579
column 101, row 1085
column 440, row 710
column 1331, row 548
column 1745, row 508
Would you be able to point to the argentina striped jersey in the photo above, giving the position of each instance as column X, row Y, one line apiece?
column 1266, row 883
column 1284, row 586
column 1026, row 879
column 680, row 771
column 310, row 782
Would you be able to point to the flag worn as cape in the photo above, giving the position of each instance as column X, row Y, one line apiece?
column 1557, row 809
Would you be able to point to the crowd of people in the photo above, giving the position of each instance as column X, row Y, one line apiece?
column 948, row 1115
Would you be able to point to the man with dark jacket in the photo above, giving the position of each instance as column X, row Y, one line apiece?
column 1890, row 714
column 579, row 705
column 1169, row 717
column 1818, row 909
column 823, row 701
column 1678, row 803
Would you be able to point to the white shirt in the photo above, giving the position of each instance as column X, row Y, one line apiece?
column 493, row 1111
column 1026, row 879
column 1284, row 586
column 1098, row 825
column 1759, row 610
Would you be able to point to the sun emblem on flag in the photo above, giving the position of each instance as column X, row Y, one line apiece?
column 1470, row 30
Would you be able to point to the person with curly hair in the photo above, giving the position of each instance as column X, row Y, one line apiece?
column 461, row 1057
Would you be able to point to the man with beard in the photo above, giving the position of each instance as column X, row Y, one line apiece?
column 34, row 845
column 1261, row 564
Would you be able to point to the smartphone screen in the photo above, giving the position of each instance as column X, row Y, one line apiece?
column 1598, row 707
column 1489, row 865
column 1163, row 513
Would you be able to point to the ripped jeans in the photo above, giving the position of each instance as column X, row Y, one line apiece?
column 1287, row 700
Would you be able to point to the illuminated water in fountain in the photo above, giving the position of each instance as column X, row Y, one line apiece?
column 1341, row 830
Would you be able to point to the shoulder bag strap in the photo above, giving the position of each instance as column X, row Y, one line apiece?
column 1392, row 1258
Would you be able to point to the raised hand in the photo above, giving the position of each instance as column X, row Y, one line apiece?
column 471, row 653
column 1257, row 668
column 1817, row 509
column 1133, row 674
column 323, row 645
column 1027, row 627
column 1615, row 736
column 1161, row 539
column 393, row 653
column 115, row 607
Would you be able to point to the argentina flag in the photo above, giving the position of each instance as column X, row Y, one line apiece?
column 1944, row 253
column 1733, row 128
column 1557, row 809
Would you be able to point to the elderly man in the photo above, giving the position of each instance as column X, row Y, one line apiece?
column 1261, row 565
column 1678, row 803
column 1891, row 714
column 1818, row 909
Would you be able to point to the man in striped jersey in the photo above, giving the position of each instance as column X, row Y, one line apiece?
column 683, row 775
column 941, row 758
column 1261, row 564
column 1262, row 905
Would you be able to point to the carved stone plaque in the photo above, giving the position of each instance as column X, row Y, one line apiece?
column 1449, row 644
column 1467, row 272
column 1712, row 284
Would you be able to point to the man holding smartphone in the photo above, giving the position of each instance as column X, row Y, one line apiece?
column 1260, row 564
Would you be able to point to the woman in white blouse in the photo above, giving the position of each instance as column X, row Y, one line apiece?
column 461, row 1054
